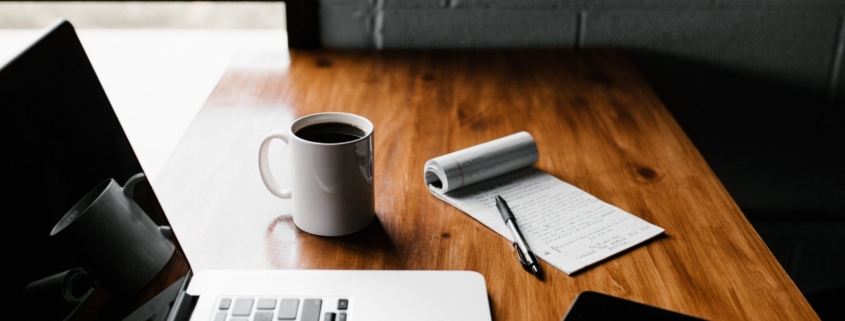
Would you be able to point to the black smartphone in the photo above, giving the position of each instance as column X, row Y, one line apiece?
column 594, row 306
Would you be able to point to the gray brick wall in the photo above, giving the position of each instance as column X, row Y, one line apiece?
column 795, row 46
column 490, row 28
column 347, row 24
column 793, row 41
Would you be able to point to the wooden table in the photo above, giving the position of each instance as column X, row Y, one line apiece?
column 598, row 126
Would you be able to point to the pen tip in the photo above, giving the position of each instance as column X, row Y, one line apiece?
column 535, row 269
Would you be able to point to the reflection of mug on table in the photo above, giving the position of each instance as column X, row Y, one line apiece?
column 113, row 239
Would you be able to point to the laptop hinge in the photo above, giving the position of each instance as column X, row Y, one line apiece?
column 184, row 304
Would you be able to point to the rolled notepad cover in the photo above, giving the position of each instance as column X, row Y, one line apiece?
column 480, row 162
column 55, row 297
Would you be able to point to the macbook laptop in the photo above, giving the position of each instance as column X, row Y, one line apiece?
column 86, row 238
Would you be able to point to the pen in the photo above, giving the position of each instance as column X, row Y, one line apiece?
column 523, row 252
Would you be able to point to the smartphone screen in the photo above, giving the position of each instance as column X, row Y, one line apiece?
column 594, row 306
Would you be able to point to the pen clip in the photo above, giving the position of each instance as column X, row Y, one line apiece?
column 520, row 256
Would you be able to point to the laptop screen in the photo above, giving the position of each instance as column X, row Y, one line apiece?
column 84, row 233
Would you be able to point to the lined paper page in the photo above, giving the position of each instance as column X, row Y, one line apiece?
column 565, row 226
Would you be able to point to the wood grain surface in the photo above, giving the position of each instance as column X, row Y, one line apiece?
column 598, row 126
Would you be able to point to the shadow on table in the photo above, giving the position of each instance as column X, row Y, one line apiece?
column 778, row 148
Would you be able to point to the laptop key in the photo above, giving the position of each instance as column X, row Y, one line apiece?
column 266, row 304
column 342, row 304
column 288, row 308
column 311, row 309
column 341, row 316
column 263, row 316
column 221, row 316
column 224, row 303
column 329, row 316
column 243, row 307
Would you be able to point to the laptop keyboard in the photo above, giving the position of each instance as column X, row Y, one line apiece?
column 280, row 309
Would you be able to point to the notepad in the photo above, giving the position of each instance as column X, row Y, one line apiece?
column 564, row 226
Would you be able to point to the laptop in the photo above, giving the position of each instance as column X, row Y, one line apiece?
column 77, row 252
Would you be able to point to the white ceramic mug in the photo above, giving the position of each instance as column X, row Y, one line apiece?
column 331, row 184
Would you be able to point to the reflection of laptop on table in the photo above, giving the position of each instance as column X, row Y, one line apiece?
column 84, row 212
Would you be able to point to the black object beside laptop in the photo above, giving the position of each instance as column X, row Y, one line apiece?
column 594, row 306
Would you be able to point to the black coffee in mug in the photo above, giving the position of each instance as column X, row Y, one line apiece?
column 330, row 133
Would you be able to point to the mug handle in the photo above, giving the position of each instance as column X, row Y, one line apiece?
column 129, row 191
column 129, row 187
column 264, row 165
